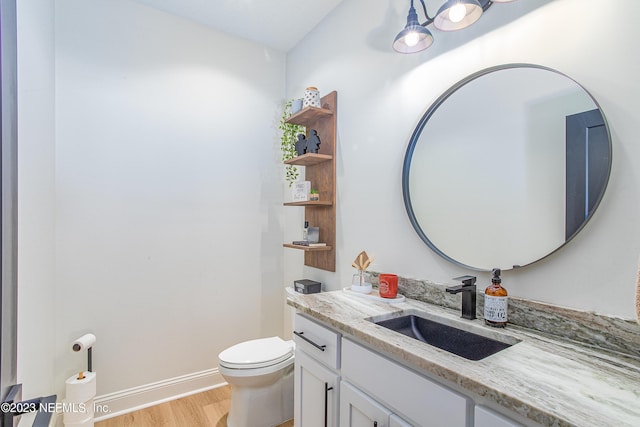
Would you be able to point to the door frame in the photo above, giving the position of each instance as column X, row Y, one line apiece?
column 588, row 164
column 8, row 195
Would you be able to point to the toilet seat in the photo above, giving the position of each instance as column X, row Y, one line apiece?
column 256, row 354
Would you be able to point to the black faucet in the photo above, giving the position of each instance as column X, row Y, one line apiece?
column 468, row 289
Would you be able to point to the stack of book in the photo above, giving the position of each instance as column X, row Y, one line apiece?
column 307, row 243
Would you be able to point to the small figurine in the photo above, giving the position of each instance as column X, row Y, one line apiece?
column 313, row 143
column 301, row 145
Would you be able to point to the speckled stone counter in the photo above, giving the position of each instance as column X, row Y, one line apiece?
column 543, row 378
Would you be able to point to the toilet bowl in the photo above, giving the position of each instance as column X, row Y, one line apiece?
column 260, row 373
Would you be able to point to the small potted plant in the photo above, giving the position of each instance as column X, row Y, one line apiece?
column 313, row 195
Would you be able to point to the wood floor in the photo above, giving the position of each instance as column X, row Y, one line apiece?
column 207, row 409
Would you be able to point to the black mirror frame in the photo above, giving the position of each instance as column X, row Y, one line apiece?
column 425, row 118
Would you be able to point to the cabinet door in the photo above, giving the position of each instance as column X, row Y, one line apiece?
column 359, row 410
column 316, row 393
column 396, row 421
column 485, row 417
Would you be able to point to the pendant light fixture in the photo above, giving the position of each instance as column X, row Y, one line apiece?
column 457, row 14
column 452, row 15
column 414, row 37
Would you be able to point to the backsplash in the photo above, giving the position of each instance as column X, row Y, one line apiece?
column 588, row 328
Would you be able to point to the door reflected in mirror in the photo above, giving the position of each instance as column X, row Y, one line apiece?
column 506, row 167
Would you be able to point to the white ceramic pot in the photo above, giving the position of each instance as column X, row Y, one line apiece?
column 311, row 98
column 296, row 105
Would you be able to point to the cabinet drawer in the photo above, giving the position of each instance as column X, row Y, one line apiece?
column 406, row 392
column 485, row 417
column 317, row 340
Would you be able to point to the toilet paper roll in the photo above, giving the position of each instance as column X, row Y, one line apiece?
column 84, row 342
column 78, row 412
column 78, row 391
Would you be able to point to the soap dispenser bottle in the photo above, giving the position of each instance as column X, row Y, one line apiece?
column 495, row 302
column 305, row 231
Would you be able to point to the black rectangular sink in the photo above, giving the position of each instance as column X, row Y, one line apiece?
column 454, row 340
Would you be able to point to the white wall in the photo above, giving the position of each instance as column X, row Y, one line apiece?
column 167, row 239
column 382, row 95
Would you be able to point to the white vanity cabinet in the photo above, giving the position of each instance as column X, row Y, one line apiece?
column 341, row 383
column 317, row 381
column 416, row 399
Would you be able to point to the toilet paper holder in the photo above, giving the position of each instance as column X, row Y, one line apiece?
column 85, row 342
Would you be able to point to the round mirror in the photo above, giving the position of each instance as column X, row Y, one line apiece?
column 506, row 167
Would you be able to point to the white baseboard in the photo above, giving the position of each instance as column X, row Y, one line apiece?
column 121, row 402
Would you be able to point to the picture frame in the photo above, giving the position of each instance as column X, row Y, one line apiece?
column 300, row 191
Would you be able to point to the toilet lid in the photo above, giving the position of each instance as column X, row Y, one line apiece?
column 256, row 353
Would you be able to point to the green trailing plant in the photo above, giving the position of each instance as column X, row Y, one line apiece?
column 288, row 142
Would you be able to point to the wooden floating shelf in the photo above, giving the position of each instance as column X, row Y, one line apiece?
column 308, row 248
column 308, row 159
column 310, row 203
column 309, row 114
column 320, row 170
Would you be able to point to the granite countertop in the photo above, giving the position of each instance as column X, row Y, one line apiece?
column 545, row 379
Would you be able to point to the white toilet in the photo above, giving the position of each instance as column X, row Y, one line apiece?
column 260, row 373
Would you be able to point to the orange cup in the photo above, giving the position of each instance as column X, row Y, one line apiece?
column 388, row 286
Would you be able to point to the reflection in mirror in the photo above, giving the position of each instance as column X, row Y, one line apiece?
column 506, row 167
